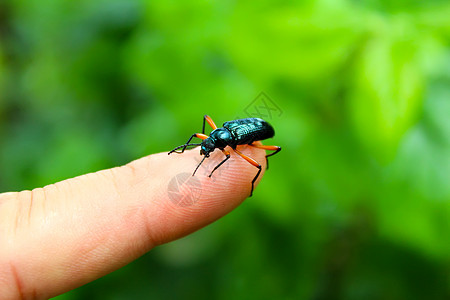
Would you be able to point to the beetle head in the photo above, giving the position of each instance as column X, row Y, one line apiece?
column 207, row 147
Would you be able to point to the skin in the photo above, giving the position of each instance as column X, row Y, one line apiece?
column 59, row 237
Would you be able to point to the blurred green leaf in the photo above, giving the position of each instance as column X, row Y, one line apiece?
column 389, row 87
column 356, row 206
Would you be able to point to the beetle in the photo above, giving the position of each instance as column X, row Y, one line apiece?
column 237, row 132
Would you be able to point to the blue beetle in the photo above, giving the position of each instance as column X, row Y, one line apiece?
column 237, row 132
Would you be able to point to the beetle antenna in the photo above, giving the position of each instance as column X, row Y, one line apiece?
column 183, row 146
column 199, row 165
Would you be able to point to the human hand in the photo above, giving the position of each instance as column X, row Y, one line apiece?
column 59, row 237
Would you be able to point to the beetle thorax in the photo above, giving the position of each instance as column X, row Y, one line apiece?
column 222, row 137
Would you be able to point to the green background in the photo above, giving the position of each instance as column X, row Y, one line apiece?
column 356, row 206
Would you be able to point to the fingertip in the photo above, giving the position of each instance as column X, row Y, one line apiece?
column 188, row 202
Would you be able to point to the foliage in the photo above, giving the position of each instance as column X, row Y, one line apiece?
column 356, row 206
